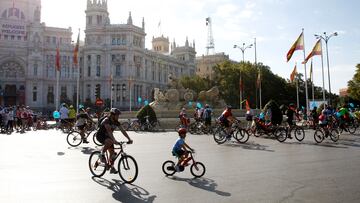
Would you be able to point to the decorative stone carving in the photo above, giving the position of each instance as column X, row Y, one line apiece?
column 11, row 70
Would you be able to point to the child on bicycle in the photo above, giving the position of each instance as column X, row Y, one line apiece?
column 179, row 150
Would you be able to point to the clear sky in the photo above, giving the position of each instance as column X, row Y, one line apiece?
column 275, row 23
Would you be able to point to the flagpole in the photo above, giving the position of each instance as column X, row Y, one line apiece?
column 297, row 87
column 256, row 103
column 57, row 89
column 111, row 90
column 306, row 88
column 322, row 71
column 78, row 79
column 312, row 80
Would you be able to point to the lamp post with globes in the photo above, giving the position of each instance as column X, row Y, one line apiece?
column 242, row 48
column 326, row 38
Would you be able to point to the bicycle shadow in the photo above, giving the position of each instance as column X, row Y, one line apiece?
column 125, row 192
column 249, row 146
column 323, row 144
column 202, row 183
column 84, row 150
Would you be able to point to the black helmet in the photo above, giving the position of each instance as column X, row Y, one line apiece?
column 115, row 111
column 229, row 106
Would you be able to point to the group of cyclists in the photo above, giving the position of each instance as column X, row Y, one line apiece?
column 16, row 118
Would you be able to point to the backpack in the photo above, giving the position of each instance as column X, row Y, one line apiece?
column 207, row 113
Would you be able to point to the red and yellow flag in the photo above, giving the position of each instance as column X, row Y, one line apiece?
column 317, row 50
column 298, row 45
column 57, row 62
column 76, row 50
column 292, row 76
column 247, row 105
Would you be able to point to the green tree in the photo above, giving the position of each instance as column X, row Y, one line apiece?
column 196, row 83
column 354, row 85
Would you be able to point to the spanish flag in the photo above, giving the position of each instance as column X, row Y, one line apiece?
column 76, row 50
column 317, row 50
column 298, row 45
column 292, row 76
column 57, row 62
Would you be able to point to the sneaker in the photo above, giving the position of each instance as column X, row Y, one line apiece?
column 177, row 168
column 113, row 170
column 228, row 137
column 85, row 141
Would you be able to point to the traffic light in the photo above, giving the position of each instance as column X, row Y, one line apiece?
column 97, row 91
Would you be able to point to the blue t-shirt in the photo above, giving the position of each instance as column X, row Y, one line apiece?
column 178, row 144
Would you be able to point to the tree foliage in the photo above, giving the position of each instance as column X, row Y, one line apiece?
column 354, row 85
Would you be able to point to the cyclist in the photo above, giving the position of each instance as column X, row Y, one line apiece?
column 180, row 150
column 106, row 137
column 207, row 115
column 290, row 116
column 184, row 120
column 82, row 121
column 226, row 119
column 72, row 115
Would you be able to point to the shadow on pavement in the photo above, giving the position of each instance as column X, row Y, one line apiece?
column 249, row 146
column 125, row 192
column 323, row 144
column 84, row 150
column 202, row 183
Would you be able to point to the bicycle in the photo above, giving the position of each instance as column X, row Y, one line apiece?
column 322, row 132
column 299, row 133
column 197, row 168
column 74, row 137
column 127, row 166
column 221, row 135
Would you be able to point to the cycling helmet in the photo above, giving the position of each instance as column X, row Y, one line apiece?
column 115, row 111
column 182, row 131
column 229, row 106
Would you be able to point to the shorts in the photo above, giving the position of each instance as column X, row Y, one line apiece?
column 81, row 127
column 226, row 123
column 101, row 137
column 178, row 153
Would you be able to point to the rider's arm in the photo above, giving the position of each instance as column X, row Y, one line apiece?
column 187, row 146
column 124, row 133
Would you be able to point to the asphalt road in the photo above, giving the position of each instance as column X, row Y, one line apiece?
column 41, row 167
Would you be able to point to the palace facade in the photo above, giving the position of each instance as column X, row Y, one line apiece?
column 117, row 51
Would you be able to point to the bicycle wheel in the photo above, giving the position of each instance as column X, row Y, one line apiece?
column 125, row 125
column 97, row 168
column 299, row 133
column 192, row 128
column 318, row 135
column 352, row 128
column 168, row 168
column 241, row 135
column 128, row 169
column 220, row 136
column 135, row 125
column 280, row 134
column 334, row 135
column 197, row 169
column 96, row 141
column 74, row 139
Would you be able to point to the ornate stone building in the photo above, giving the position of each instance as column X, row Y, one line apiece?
column 28, row 51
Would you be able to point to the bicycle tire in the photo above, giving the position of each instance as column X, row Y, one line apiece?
column 280, row 134
column 135, row 126
column 165, row 168
column 124, row 166
column 334, row 135
column 241, row 135
column 197, row 166
column 74, row 139
column 192, row 128
column 96, row 141
column 97, row 168
column 220, row 136
column 125, row 125
column 352, row 128
column 299, row 133
column 318, row 135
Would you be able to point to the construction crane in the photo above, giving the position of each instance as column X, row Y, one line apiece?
column 210, row 39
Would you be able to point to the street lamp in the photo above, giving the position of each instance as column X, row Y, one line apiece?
column 326, row 39
column 243, row 48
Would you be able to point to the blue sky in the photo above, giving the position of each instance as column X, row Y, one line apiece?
column 275, row 23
